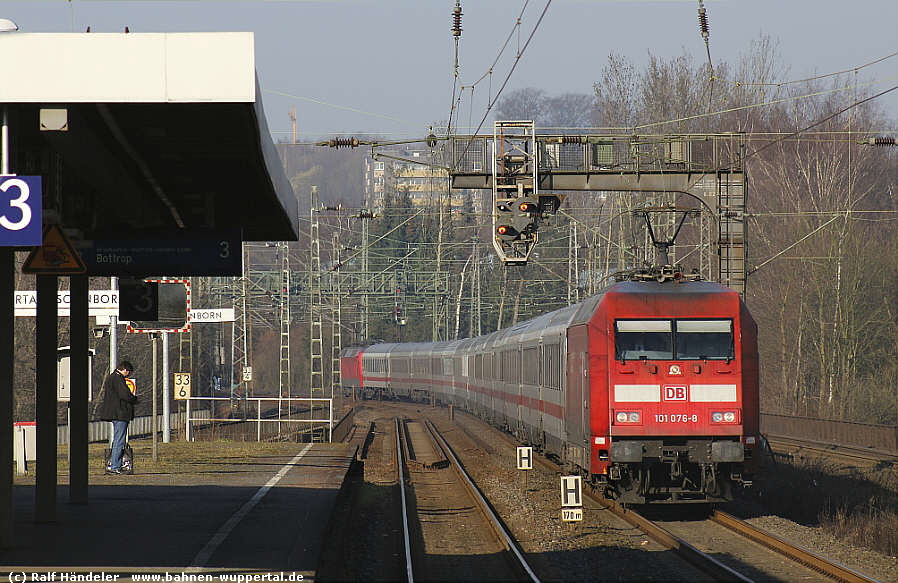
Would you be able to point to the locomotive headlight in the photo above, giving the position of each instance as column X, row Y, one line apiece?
column 723, row 417
column 627, row 417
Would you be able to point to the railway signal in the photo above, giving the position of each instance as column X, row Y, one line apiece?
column 516, row 219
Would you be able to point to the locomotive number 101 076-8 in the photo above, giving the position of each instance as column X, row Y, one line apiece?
column 676, row 418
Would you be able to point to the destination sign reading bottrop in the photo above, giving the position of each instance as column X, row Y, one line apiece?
column 216, row 255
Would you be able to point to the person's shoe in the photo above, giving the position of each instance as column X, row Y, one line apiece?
column 111, row 471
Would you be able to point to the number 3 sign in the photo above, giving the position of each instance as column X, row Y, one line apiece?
column 20, row 211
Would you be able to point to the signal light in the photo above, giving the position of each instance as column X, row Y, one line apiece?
column 506, row 232
column 525, row 216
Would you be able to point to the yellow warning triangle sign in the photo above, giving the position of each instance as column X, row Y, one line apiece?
column 56, row 256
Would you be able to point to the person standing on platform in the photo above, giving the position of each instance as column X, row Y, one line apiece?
column 118, row 408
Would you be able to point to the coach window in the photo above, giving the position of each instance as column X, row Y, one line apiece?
column 643, row 340
column 531, row 366
column 551, row 369
column 705, row 339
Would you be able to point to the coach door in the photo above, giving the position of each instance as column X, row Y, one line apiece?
column 575, row 402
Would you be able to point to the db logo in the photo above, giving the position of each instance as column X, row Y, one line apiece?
column 675, row 393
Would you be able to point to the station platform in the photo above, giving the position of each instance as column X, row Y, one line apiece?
column 201, row 508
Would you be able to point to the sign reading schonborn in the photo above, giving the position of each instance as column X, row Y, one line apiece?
column 105, row 302
column 102, row 302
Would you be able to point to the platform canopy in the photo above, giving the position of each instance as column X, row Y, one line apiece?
column 145, row 133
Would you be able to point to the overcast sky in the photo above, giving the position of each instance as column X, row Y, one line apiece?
column 386, row 66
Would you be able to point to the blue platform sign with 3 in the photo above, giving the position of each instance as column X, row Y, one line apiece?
column 20, row 211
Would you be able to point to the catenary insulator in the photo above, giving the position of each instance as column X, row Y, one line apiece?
column 344, row 143
column 881, row 141
column 703, row 21
column 456, row 20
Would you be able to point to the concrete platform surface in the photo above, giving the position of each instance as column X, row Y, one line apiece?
column 213, row 507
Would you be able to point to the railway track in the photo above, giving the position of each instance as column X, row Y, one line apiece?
column 722, row 546
column 445, row 517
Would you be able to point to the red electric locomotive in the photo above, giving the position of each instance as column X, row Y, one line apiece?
column 649, row 388
column 351, row 369
column 673, row 386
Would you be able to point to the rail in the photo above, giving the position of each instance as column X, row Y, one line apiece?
column 794, row 552
column 259, row 419
column 405, row 528
column 487, row 510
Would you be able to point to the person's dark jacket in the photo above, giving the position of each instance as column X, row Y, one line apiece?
column 118, row 402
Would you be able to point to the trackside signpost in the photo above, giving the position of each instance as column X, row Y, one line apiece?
column 182, row 386
column 525, row 462
column 571, row 498
column 20, row 211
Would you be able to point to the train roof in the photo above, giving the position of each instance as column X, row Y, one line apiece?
column 379, row 349
column 670, row 288
column 551, row 323
column 351, row 351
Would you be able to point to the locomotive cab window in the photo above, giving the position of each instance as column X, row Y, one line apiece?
column 705, row 339
column 643, row 340
column 673, row 340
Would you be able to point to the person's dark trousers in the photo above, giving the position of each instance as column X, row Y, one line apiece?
column 119, row 433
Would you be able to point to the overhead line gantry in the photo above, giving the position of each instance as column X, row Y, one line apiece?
column 522, row 169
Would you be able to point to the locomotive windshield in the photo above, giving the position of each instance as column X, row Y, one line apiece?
column 673, row 340
column 704, row 339
column 643, row 339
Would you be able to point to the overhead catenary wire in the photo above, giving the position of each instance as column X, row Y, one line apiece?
column 816, row 77
column 821, row 121
column 334, row 105
column 514, row 65
column 488, row 73
column 754, row 105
